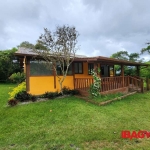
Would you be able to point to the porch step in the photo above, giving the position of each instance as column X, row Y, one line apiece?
column 83, row 92
column 133, row 88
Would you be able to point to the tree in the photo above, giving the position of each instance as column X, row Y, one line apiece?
column 134, row 57
column 60, row 48
column 145, row 72
column 120, row 55
column 124, row 55
column 26, row 44
column 147, row 49
column 8, row 64
column 40, row 46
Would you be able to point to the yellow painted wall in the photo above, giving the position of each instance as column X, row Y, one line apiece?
column 41, row 84
column 68, row 82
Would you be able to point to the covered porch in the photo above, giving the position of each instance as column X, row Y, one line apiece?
column 109, row 82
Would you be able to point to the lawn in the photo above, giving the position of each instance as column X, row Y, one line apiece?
column 71, row 124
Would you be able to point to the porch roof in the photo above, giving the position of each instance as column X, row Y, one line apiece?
column 22, row 51
column 82, row 58
column 110, row 61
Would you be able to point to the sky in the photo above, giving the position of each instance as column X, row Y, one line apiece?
column 105, row 26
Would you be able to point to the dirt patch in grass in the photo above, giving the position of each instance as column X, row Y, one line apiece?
column 122, row 144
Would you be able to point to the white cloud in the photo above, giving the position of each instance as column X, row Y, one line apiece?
column 105, row 26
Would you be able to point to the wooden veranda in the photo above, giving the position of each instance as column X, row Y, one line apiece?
column 110, row 84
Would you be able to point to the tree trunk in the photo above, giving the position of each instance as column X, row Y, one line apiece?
column 61, row 91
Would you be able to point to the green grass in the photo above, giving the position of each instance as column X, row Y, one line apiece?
column 103, row 98
column 72, row 123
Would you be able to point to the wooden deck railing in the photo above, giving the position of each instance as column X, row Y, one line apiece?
column 110, row 83
column 136, row 83
column 83, row 83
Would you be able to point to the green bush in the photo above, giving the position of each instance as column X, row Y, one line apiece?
column 8, row 64
column 68, row 91
column 33, row 98
column 96, row 86
column 23, row 96
column 51, row 95
column 12, row 102
column 17, row 77
column 21, row 87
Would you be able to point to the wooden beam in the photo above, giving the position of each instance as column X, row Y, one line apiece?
column 122, row 74
column 148, row 84
column 99, row 66
column 138, row 70
column 114, row 71
column 27, row 63
column 54, row 74
column 73, row 73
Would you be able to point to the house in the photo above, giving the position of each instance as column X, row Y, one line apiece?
column 40, row 79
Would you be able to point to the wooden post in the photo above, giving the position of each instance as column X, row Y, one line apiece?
column 122, row 74
column 148, row 84
column 108, row 70
column 54, row 74
column 27, row 63
column 99, row 66
column 142, row 86
column 128, row 81
column 73, row 74
column 138, row 71
column 114, row 70
column 95, row 66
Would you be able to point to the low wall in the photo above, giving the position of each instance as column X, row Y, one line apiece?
column 120, row 90
column 123, row 90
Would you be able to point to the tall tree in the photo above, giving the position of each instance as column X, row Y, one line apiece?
column 147, row 49
column 26, row 44
column 120, row 55
column 61, row 47
column 8, row 64
column 145, row 72
column 124, row 55
column 40, row 46
column 134, row 57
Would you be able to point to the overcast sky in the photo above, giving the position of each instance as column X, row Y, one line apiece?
column 105, row 26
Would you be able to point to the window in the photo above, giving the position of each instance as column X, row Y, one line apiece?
column 59, row 72
column 90, row 68
column 78, row 68
column 40, row 68
column 69, row 70
column 102, row 70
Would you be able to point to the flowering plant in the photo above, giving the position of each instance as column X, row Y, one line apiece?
column 96, row 86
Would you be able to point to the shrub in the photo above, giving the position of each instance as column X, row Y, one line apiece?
column 23, row 96
column 33, row 98
column 68, row 91
column 74, row 92
column 21, row 87
column 17, row 77
column 12, row 102
column 50, row 95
